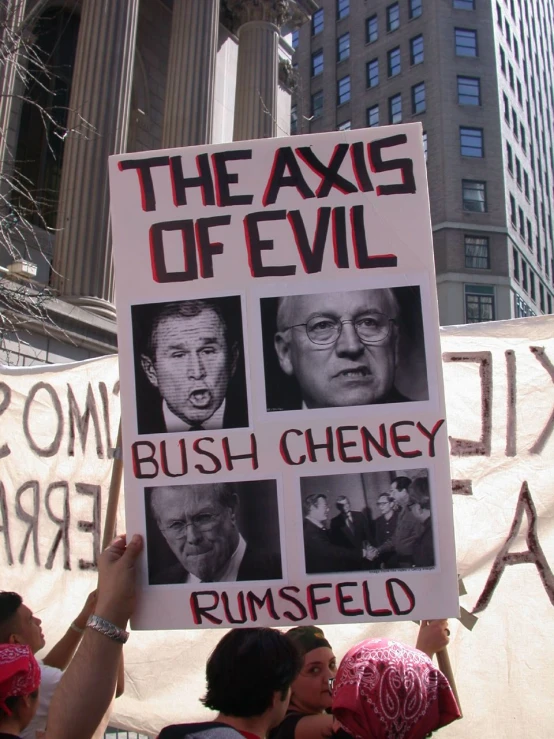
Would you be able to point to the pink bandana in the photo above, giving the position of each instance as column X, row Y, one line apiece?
column 386, row 690
column 19, row 673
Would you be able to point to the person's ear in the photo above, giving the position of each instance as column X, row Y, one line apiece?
column 149, row 369
column 234, row 507
column 282, row 349
column 14, row 639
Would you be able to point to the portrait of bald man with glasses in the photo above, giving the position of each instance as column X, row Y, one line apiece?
column 201, row 525
column 341, row 348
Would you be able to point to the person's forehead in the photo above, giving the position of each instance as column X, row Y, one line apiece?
column 340, row 304
column 169, row 501
column 206, row 323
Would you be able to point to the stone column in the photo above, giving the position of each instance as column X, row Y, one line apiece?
column 189, row 97
column 259, row 22
column 11, row 17
column 101, row 98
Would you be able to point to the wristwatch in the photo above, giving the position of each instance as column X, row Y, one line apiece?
column 107, row 628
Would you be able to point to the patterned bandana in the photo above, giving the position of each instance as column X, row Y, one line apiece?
column 19, row 673
column 386, row 690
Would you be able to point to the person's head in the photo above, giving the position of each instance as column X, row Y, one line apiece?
column 316, row 507
column 385, row 689
column 385, row 504
column 399, row 490
column 250, row 673
column 18, row 624
column 199, row 522
column 190, row 359
column 19, row 686
column 343, row 504
column 310, row 690
column 342, row 348
column 419, row 501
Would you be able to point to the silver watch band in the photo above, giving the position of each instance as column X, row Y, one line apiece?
column 107, row 628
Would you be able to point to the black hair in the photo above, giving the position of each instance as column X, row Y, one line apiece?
column 402, row 483
column 9, row 603
column 245, row 670
column 311, row 501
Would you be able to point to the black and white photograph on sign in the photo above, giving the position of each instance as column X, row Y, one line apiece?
column 350, row 348
column 189, row 365
column 214, row 532
column 367, row 521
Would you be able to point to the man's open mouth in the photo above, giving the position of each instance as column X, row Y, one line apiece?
column 200, row 398
column 354, row 373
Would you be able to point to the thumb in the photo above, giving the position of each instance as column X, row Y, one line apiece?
column 133, row 550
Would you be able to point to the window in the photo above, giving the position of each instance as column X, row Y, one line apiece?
column 518, row 172
column 424, row 135
column 509, row 158
column 466, row 42
column 345, row 126
column 393, row 17
column 519, row 92
column 477, row 252
column 395, row 109
column 393, row 61
column 506, row 107
column 294, row 38
column 471, row 142
column 479, row 303
column 371, row 30
column 513, row 213
column 373, row 115
column 526, row 184
column 502, row 60
column 415, row 8
column 343, row 47
column 499, row 14
column 521, row 222
column 469, row 91
column 343, row 90
column 317, row 104
column 464, row 4
column 343, row 8
column 294, row 119
column 373, row 73
column 416, row 50
column 317, row 22
column 515, row 258
column 474, row 196
column 418, row 98
column 317, row 63
column 529, row 235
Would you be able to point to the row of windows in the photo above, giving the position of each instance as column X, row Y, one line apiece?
column 415, row 9
column 526, row 277
column 394, row 63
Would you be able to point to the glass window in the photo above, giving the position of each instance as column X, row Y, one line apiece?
column 393, row 61
column 502, row 59
column 513, row 213
column 479, row 303
column 343, row 47
column 393, row 17
column 294, row 119
column 515, row 259
column 343, row 8
column 418, row 98
column 416, row 50
column 294, row 38
column 471, row 142
column 344, row 126
column 469, row 91
column 317, row 63
column 425, row 144
column 317, row 104
column 415, row 8
column 506, row 103
column 464, row 4
column 373, row 115
column 343, row 90
column 477, row 252
column 509, row 158
column 317, row 22
column 474, row 196
column 395, row 109
column 373, row 73
column 466, row 42
column 371, row 29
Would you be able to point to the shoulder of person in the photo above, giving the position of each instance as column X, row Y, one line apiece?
column 203, row 730
column 314, row 727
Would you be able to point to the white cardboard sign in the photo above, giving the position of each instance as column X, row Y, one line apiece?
column 279, row 352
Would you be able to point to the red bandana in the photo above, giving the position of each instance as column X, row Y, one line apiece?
column 386, row 690
column 19, row 673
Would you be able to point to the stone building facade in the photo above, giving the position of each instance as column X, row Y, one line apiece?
column 129, row 75
column 478, row 74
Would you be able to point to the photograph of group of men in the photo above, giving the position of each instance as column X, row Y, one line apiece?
column 320, row 350
column 213, row 532
column 366, row 522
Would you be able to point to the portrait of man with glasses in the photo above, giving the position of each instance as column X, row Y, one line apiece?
column 219, row 532
column 345, row 348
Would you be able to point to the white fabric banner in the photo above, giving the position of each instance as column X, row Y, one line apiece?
column 59, row 424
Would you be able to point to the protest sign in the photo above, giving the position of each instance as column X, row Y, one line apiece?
column 278, row 344
column 501, row 666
